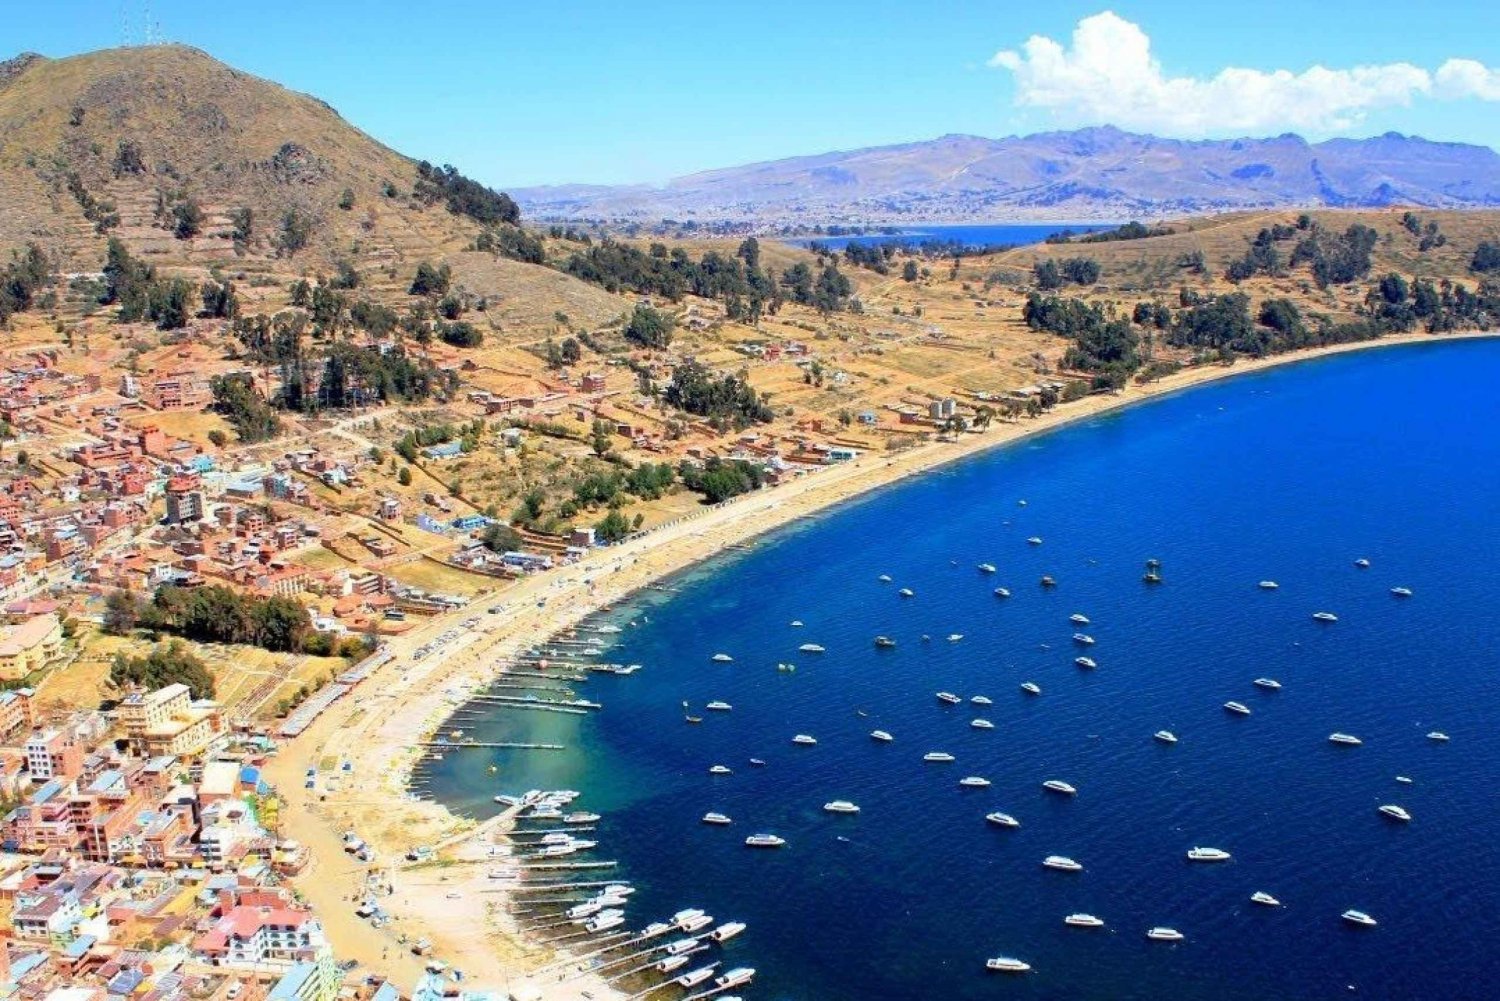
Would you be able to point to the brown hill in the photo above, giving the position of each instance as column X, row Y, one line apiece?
column 123, row 136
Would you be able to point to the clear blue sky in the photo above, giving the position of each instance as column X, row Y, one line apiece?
column 518, row 92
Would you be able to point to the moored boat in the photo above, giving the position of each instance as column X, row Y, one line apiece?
column 1002, row 592
column 716, row 706
column 1165, row 736
column 722, row 658
column 906, row 592
column 727, row 931
column 1164, row 934
column 981, row 724
column 974, row 782
column 1264, row 899
column 937, row 757
column 949, row 698
column 1401, row 592
column 1078, row 619
column 720, row 770
column 1208, row 855
column 1238, row 708
column 840, row 806
column 1325, row 617
column 1268, row 585
column 1002, row 819
column 1083, row 639
column 1007, row 964
column 1359, row 918
column 881, row 736
column 1031, row 688
column 1346, row 739
column 1395, row 812
column 716, row 818
column 1059, row 786
column 1061, row 863
column 1438, row 736
column 1082, row 920
column 980, row 700
column 804, row 739
column 811, row 648
column 1270, row 684
column 764, row 841
column 1088, row 663
column 884, row 642
column 986, row 568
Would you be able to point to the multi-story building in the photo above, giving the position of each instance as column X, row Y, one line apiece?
column 169, row 722
column 247, row 935
column 53, row 754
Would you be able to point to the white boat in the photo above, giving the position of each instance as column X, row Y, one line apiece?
column 937, row 756
column 804, row 740
column 1061, row 863
column 1404, row 779
column 720, row 770
column 906, row 592
column 1002, row 819
column 1358, row 918
column 1362, row 563
column 699, row 923
column 1438, row 736
column 1031, row 688
column 716, row 818
column 1002, row 592
column 584, row 910
column 1081, row 920
column 580, row 818
column 1264, row 899
column 980, row 700
column 1083, row 639
column 1268, row 585
column 695, row 977
column 840, row 806
column 722, row 658
column 881, row 736
column 1035, row 540
column 986, row 568
column 764, row 841
column 981, row 724
column 1395, row 812
column 672, row 963
column 1086, row 662
column 1208, row 855
column 974, row 782
column 810, row 648
column 884, row 578
column 757, row 762
column 687, row 914
column 677, row 948
column 1270, row 684
column 1239, row 708
column 1347, row 739
column 1165, row 736
column 955, row 637
column 727, row 931
column 1048, row 580
column 1401, row 592
column 1078, row 619
column 884, row 642
column 605, row 922
column 1162, row 934
column 796, row 623
column 1007, row 964
column 949, row 698
column 1059, row 786
column 1325, row 616
column 734, row 978
column 716, row 706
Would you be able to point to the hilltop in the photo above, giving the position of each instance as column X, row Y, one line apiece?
column 1094, row 173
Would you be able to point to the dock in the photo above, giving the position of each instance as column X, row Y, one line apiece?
column 444, row 745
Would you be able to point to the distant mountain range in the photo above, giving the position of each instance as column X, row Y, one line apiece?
column 1089, row 173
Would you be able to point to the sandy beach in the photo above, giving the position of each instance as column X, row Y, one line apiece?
column 451, row 901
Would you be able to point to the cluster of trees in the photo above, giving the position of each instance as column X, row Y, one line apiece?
column 166, row 664
column 253, row 418
column 463, row 196
column 719, row 479
column 1053, row 274
column 739, row 281
column 213, row 614
column 874, row 257
column 1106, row 347
column 649, row 327
column 99, row 211
column 1428, row 235
column 22, row 280
column 830, row 291
column 727, row 400
column 1486, row 259
column 1130, row 231
column 462, row 334
column 513, row 242
column 1262, row 257
column 134, row 286
column 436, row 434
column 1336, row 258
column 431, row 281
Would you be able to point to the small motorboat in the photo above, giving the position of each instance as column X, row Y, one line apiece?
column 1270, row 684
column 1362, row 563
column 1268, row 585
column 1395, row 812
column 881, row 736
column 722, row 658
column 986, row 568
column 1002, row 819
column 1087, row 663
column 1162, row 934
column 1208, row 855
column 1048, row 581
column 804, row 740
column 1325, row 617
column 949, row 698
column 1081, row 920
column 974, row 782
column 937, row 757
column 757, row 762
column 720, row 770
column 884, row 578
column 1165, row 736
column 1438, row 736
column 1238, row 708
column 1404, row 779
column 717, row 818
column 1059, row 786
column 1083, row 639
column 1007, row 964
column 1401, row 592
column 1264, row 899
column 1031, row 688
column 1035, row 540
column 906, row 592
column 1002, row 592
column 1346, row 739
column 796, row 623
column 693, row 719
column 884, row 642
column 811, row 648
column 980, row 700
column 840, row 806
column 981, row 724
column 727, row 931
column 1078, row 619
column 1359, row 918
column 720, row 707
column 1061, row 863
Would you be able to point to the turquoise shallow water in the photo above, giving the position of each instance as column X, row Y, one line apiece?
column 1292, row 474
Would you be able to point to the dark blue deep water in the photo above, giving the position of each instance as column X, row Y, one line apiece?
column 1392, row 455
column 973, row 235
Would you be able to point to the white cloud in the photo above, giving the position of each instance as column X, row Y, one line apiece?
column 1108, row 75
column 1467, row 78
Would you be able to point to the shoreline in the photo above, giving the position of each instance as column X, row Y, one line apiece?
column 375, row 730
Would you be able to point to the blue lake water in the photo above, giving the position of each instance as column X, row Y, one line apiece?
column 1392, row 455
column 973, row 235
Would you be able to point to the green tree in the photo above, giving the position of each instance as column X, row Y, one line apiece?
column 649, row 327
column 187, row 216
column 404, row 476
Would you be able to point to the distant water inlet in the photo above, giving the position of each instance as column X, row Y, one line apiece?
column 972, row 236
column 1114, row 827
